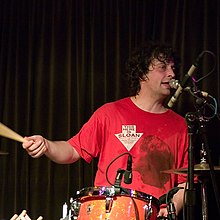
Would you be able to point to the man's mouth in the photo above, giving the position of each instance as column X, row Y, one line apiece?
column 165, row 83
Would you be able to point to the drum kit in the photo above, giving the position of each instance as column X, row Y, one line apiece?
column 112, row 203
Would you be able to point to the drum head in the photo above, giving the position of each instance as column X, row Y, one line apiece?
column 116, row 191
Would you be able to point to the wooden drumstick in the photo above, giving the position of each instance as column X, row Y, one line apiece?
column 23, row 214
column 8, row 133
column 14, row 217
column 27, row 217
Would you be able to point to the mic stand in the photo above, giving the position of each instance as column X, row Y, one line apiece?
column 191, row 118
column 212, row 172
column 190, row 192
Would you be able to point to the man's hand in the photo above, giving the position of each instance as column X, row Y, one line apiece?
column 35, row 145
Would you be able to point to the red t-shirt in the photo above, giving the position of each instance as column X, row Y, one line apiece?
column 156, row 142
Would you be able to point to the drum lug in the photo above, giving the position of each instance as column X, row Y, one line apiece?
column 147, row 211
column 75, row 207
column 108, row 204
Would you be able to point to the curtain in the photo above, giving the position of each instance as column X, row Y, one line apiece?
column 61, row 60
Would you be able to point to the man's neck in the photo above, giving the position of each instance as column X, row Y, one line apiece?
column 148, row 104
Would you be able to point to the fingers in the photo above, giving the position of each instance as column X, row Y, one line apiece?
column 163, row 212
column 35, row 145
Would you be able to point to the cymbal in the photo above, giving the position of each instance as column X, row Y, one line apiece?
column 3, row 153
column 199, row 169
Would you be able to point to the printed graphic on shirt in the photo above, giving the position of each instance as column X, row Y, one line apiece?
column 128, row 136
column 155, row 156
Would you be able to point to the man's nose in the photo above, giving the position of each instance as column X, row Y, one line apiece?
column 171, row 72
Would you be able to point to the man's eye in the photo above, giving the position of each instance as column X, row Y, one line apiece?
column 163, row 67
column 173, row 68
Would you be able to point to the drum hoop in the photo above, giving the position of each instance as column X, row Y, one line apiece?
column 118, row 191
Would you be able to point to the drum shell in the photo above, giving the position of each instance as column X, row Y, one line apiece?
column 110, row 203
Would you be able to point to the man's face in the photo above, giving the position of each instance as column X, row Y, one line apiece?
column 158, row 77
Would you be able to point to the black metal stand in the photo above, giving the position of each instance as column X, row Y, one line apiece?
column 211, row 166
column 197, row 125
column 204, row 198
column 190, row 195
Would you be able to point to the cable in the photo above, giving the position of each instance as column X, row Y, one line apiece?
column 212, row 70
column 200, row 100
column 106, row 173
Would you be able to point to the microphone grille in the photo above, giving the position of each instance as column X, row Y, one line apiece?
column 174, row 84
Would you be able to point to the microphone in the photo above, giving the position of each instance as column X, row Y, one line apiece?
column 171, row 211
column 162, row 199
column 166, row 198
column 170, row 205
column 171, row 193
column 128, row 171
column 174, row 84
column 184, row 82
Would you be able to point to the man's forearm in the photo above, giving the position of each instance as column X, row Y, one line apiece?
column 61, row 152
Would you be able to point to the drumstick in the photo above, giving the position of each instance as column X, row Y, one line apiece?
column 27, row 217
column 8, row 133
column 23, row 214
column 14, row 217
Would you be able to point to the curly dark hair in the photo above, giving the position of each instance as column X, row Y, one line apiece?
column 138, row 64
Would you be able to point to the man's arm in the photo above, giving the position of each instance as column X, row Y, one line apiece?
column 178, row 198
column 58, row 151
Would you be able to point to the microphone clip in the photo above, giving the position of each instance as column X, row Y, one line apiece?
column 171, row 211
column 119, row 177
column 170, row 205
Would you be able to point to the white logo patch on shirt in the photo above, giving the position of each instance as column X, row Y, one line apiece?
column 128, row 137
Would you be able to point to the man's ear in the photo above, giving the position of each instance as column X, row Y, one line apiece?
column 144, row 77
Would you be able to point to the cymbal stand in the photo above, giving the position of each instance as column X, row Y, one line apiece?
column 203, row 180
column 212, row 172
column 196, row 121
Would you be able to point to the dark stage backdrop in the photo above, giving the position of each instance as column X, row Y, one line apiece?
column 62, row 59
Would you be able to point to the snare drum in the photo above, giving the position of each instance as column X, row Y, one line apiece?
column 112, row 203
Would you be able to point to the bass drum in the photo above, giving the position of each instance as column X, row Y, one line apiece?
column 112, row 203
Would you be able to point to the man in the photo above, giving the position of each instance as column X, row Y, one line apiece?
column 140, row 125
